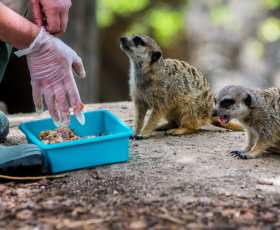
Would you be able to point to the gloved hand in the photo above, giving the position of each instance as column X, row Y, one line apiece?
column 50, row 63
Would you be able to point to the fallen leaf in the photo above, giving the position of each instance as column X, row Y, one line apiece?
column 173, row 219
column 22, row 191
column 137, row 225
column 249, row 215
column 2, row 188
column 24, row 214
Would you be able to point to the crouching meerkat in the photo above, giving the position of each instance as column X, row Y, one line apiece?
column 172, row 89
column 258, row 110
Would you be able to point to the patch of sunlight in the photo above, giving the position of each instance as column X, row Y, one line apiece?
column 271, row 4
column 107, row 8
column 269, row 30
column 165, row 22
column 224, row 15
column 137, row 28
column 254, row 49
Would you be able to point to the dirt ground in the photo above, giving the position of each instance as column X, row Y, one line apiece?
column 186, row 182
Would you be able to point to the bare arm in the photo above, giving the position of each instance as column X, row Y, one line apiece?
column 15, row 30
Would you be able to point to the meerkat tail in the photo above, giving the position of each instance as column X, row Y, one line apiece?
column 230, row 125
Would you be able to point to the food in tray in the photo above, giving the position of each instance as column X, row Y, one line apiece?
column 61, row 134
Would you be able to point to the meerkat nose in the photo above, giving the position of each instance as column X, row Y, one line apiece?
column 123, row 38
column 214, row 113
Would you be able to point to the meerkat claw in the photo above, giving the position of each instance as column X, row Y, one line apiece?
column 243, row 156
column 139, row 137
column 235, row 152
column 131, row 137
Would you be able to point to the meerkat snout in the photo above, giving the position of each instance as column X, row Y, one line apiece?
column 123, row 38
column 214, row 113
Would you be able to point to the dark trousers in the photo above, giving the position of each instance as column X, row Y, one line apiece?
column 5, row 51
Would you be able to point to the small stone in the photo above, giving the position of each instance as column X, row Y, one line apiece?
column 179, row 169
column 203, row 161
column 264, row 182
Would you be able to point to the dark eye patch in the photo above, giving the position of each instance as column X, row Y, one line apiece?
column 227, row 102
column 138, row 41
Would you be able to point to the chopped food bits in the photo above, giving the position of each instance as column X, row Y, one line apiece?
column 61, row 134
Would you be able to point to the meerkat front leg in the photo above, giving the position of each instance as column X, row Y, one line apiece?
column 151, row 124
column 256, row 151
column 139, row 117
column 248, row 145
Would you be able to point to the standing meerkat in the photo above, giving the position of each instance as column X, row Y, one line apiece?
column 258, row 110
column 172, row 89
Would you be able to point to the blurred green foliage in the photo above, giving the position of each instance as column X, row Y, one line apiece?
column 223, row 15
column 164, row 20
column 268, row 29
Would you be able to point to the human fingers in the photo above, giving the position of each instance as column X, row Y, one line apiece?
column 52, row 24
column 78, row 67
column 36, row 12
column 63, row 22
column 37, row 97
column 52, row 106
column 62, row 103
column 74, row 96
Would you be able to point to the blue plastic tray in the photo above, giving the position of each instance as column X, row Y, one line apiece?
column 83, row 153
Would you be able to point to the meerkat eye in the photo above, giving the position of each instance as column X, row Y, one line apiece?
column 226, row 103
column 138, row 41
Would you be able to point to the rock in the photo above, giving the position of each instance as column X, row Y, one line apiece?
column 264, row 182
column 94, row 174
column 179, row 169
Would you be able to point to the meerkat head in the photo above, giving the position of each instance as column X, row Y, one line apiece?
column 231, row 102
column 142, row 50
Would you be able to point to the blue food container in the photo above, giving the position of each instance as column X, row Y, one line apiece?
column 71, row 155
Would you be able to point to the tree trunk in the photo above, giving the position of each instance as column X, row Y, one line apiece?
column 83, row 37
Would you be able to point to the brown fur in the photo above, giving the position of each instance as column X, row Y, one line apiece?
column 171, row 88
column 260, row 116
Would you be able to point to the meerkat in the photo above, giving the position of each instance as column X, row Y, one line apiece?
column 258, row 111
column 172, row 89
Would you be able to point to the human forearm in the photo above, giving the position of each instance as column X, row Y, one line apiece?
column 15, row 30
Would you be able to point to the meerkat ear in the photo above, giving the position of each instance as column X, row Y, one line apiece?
column 155, row 56
column 248, row 100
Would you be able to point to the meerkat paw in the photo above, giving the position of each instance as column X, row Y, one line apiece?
column 138, row 137
column 240, row 154
column 237, row 152
column 243, row 156
column 171, row 132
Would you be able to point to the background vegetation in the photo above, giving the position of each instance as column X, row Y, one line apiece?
column 230, row 42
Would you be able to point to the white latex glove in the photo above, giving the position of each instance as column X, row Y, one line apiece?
column 50, row 63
